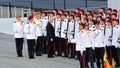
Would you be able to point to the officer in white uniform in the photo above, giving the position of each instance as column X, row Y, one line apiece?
column 57, row 34
column 44, row 24
column 39, row 34
column 64, row 29
column 18, row 28
column 80, row 48
column 99, row 44
column 30, row 30
column 70, row 36
column 115, row 37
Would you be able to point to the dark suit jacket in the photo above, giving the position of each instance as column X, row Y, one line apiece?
column 50, row 31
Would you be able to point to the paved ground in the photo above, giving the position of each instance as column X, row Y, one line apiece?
column 8, row 57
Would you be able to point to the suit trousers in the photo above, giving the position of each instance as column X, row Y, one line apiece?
column 39, row 46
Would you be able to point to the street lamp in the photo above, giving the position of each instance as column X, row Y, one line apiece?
column 86, row 6
column 64, row 4
column 10, row 9
column 54, row 4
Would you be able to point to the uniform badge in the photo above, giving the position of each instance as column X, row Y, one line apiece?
column 15, row 21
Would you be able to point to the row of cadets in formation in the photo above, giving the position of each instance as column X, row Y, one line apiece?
column 65, row 29
column 92, row 43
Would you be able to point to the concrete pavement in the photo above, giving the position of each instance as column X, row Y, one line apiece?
column 8, row 57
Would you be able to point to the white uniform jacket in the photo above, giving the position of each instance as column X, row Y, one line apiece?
column 44, row 24
column 79, row 41
column 18, row 28
column 57, row 27
column 64, row 28
column 30, row 30
column 99, row 39
column 115, row 36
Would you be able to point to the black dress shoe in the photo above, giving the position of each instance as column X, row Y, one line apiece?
column 20, row 56
column 50, row 56
column 32, row 58
column 38, row 55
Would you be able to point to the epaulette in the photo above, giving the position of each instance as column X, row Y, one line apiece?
column 15, row 21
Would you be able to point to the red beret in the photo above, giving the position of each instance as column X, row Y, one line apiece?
column 72, row 15
column 78, row 14
column 51, row 13
column 82, row 10
column 107, row 18
column 62, row 10
column 64, row 15
column 66, row 12
column 109, row 9
column 36, row 10
column 107, row 13
column 55, row 10
column 102, row 8
column 102, row 20
column 90, row 15
column 30, row 17
column 58, row 14
column 99, row 17
column 109, row 21
column 44, row 13
column 115, row 10
column 77, row 9
column 94, row 12
column 83, row 24
column 114, row 14
column 115, row 20
column 101, row 13
column 89, row 11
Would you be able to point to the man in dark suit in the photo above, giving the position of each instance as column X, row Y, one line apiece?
column 50, row 38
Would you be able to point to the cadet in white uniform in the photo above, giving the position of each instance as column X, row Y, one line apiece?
column 57, row 34
column 18, row 28
column 39, row 34
column 71, row 36
column 88, row 43
column 102, row 24
column 44, row 24
column 99, row 44
column 108, row 40
column 80, row 48
column 77, row 22
column 64, row 28
column 115, row 44
column 30, row 30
